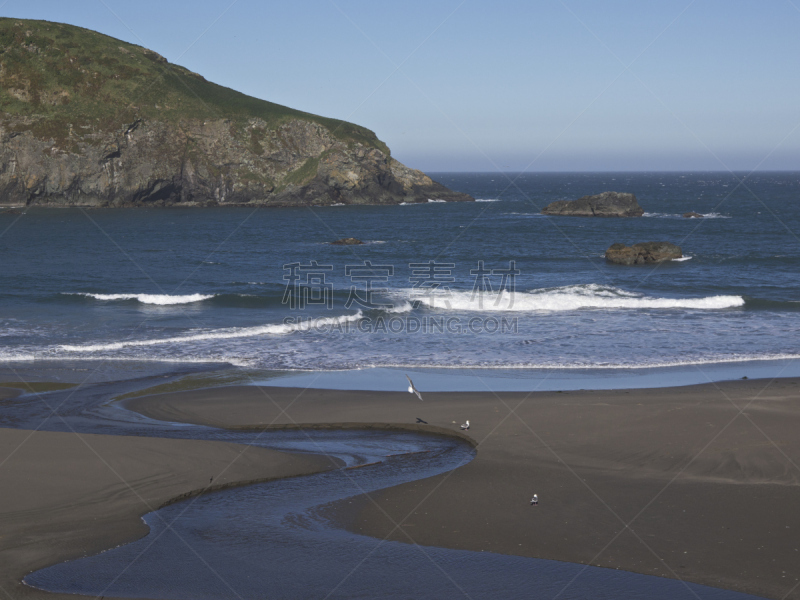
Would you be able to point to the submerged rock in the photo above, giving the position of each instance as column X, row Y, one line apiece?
column 347, row 242
column 607, row 204
column 642, row 253
column 692, row 215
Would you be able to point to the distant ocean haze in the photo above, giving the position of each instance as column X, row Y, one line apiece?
column 267, row 290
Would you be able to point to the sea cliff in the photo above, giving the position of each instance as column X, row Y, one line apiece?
column 89, row 120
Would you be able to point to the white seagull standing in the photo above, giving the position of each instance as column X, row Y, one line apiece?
column 412, row 389
column 465, row 425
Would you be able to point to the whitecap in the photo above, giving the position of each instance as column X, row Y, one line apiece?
column 487, row 199
column 160, row 299
column 219, row 334
column 404, row 307
column 657, row 215
column 572, row 297
column 681, row 259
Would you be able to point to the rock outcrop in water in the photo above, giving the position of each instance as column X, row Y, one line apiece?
column 88, row 120
column 351, row 241
column 692, row 215
column 643, row 253
column 607, row 204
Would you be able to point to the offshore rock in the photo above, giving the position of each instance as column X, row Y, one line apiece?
column 692, row 215
column 88, row 120
column 607, row 204
column 643, row 253
column 347, row 242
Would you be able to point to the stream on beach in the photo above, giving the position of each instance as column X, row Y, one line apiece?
column 280, row 539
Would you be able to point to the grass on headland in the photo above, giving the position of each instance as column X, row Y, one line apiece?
column 69, row 80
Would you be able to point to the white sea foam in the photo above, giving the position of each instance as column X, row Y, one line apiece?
column 681, row 259
column 160, row 299
column 437, row 200
column 487, row 199
column 588, row 365
column 404, row 307
column 711, row 215
column 218, row 334
column 17, row 357
column 573, row 297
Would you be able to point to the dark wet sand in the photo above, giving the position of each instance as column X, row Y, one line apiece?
column 6, row 393
column 64, row 496
column 710, row 495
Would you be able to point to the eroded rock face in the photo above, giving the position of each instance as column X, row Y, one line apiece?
column 87, row 120
column 607, row 204
column 212, row 162
column 643, row 253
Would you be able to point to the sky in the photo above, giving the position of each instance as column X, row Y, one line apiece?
column 465, row 85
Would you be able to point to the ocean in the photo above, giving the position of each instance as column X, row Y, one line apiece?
column 491, row 289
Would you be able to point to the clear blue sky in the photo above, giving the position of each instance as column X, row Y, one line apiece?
column 510, row 85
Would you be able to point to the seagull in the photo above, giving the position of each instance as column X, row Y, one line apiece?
column 412, row 389
column 465, row 425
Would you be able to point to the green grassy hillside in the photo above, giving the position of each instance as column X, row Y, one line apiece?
column 64, row 76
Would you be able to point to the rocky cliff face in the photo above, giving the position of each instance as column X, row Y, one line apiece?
column 148, row 162
column 87, row 120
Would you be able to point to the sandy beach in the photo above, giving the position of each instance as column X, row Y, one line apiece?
column 698, row 483
column 64, row 495
column 7, row 393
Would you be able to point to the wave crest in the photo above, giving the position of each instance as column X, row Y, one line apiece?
column 572, row 297
column 711, row 215
column 219, row 334
column 159, row 299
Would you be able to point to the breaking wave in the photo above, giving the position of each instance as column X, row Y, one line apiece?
column 572, row 297
column 711, row 215
column 159, row 299
column 218, row 334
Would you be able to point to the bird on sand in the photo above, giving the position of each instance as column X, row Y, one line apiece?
column 412, row 389
column 465, row 425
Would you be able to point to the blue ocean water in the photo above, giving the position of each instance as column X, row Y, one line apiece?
column 263, row 288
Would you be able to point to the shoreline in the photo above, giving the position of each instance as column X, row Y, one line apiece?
column 89, row 492
column 710, row 499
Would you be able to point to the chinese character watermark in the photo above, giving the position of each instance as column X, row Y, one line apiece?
column 367, row 274
column 430, row 277
column 306, row 284
column 483, row 284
